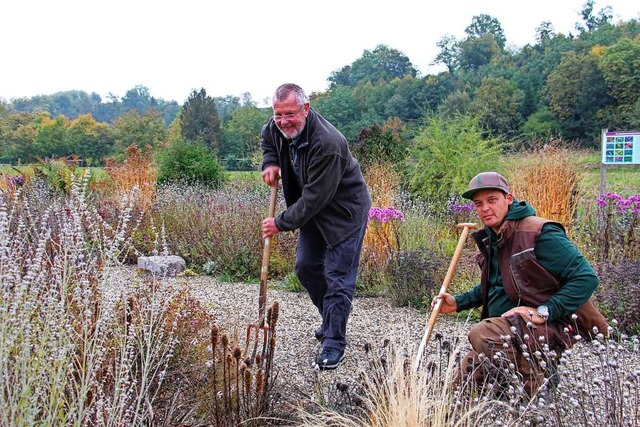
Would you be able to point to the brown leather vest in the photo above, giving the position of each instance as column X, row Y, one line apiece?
column 525, row 281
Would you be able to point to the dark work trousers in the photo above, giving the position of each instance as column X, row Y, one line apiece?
column 329, row 276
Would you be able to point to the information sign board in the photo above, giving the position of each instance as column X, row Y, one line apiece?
column 621, row 148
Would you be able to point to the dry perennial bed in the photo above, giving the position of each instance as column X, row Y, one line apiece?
column 372, row 321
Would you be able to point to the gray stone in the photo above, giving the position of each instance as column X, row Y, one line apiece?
column 169, row 265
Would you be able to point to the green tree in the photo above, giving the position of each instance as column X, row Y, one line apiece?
column 139, row 129
column 226, row 105
column 50, row 141
column 199, row 121
column 340, row 107
column 544, row 32
column 456, row 103
column 341, row 77
column 541, row 124
column 449, row 52
column 139, row 98
column 409, row 98
column 17, row 133
column 476, row 52
column 619, row 65
column 484, row 25
column 576, row 91
column 90, row 140
column 446, row 154
column 381, row 144
column 592, row 21
column 241, row 135
column 497, row 105
column 380, row 64
column 74, row 103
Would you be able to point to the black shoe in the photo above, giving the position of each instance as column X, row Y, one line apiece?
column 319, row 334
column 329, row 358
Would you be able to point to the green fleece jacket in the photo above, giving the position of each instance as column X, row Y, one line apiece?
column 556, row 253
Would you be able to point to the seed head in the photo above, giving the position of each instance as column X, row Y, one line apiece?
column 225, row 340
column 260, row 382
column 275, row 312
column 214, row 336
column 247, row 380
column 342, row 386
column 237, row 353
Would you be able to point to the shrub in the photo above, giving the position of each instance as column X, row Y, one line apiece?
column 446, row 154
column 381, row 237
column 220, row 228
column 415, row 275
column 72, row 354
column 191, row 161
column 57, row 173
column 611, row 227
column 135, row 171
column 618, row 295
column 380, row 144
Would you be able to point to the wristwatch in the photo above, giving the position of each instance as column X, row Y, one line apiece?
column 543, row 311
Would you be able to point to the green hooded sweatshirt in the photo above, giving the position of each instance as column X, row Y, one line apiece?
column 556, row 253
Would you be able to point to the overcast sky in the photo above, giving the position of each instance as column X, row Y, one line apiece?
column 237, row 46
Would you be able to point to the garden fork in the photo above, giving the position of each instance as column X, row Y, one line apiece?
column 262, row 325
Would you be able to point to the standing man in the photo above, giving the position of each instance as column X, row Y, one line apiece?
column 327, row 201
column 533, row 279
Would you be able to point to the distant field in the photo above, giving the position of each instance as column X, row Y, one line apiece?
column 624, row 180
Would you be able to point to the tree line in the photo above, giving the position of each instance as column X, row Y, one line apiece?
column 568, row 86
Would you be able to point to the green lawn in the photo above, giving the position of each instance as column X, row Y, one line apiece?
column 624, row 180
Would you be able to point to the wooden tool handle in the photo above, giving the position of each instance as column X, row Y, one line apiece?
column 445, row 285
column 266, row 252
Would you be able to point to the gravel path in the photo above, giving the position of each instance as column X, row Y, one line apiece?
column 372, row 321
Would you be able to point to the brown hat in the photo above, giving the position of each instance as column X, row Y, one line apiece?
column 486, row 181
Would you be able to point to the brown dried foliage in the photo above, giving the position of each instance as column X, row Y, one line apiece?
column 549, row 180
column 136, row 170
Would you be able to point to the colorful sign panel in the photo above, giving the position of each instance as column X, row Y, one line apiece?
column 621, row 148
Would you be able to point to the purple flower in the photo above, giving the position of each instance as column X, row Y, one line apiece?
column 16, row 181
column 385, row 214
column 464, row 209
column 629, row 205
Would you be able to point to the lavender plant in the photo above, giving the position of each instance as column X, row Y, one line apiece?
column 611, row 228
column 380, row 242
column 620, row 227
column 220, row 229
column 78, row 344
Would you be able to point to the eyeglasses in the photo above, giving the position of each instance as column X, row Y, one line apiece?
column 289, row 116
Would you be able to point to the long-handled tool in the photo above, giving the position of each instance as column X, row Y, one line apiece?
column 445, row 285
column 266, row 252
column 264, row 275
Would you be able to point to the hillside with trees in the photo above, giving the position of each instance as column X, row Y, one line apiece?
column 569, row 86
